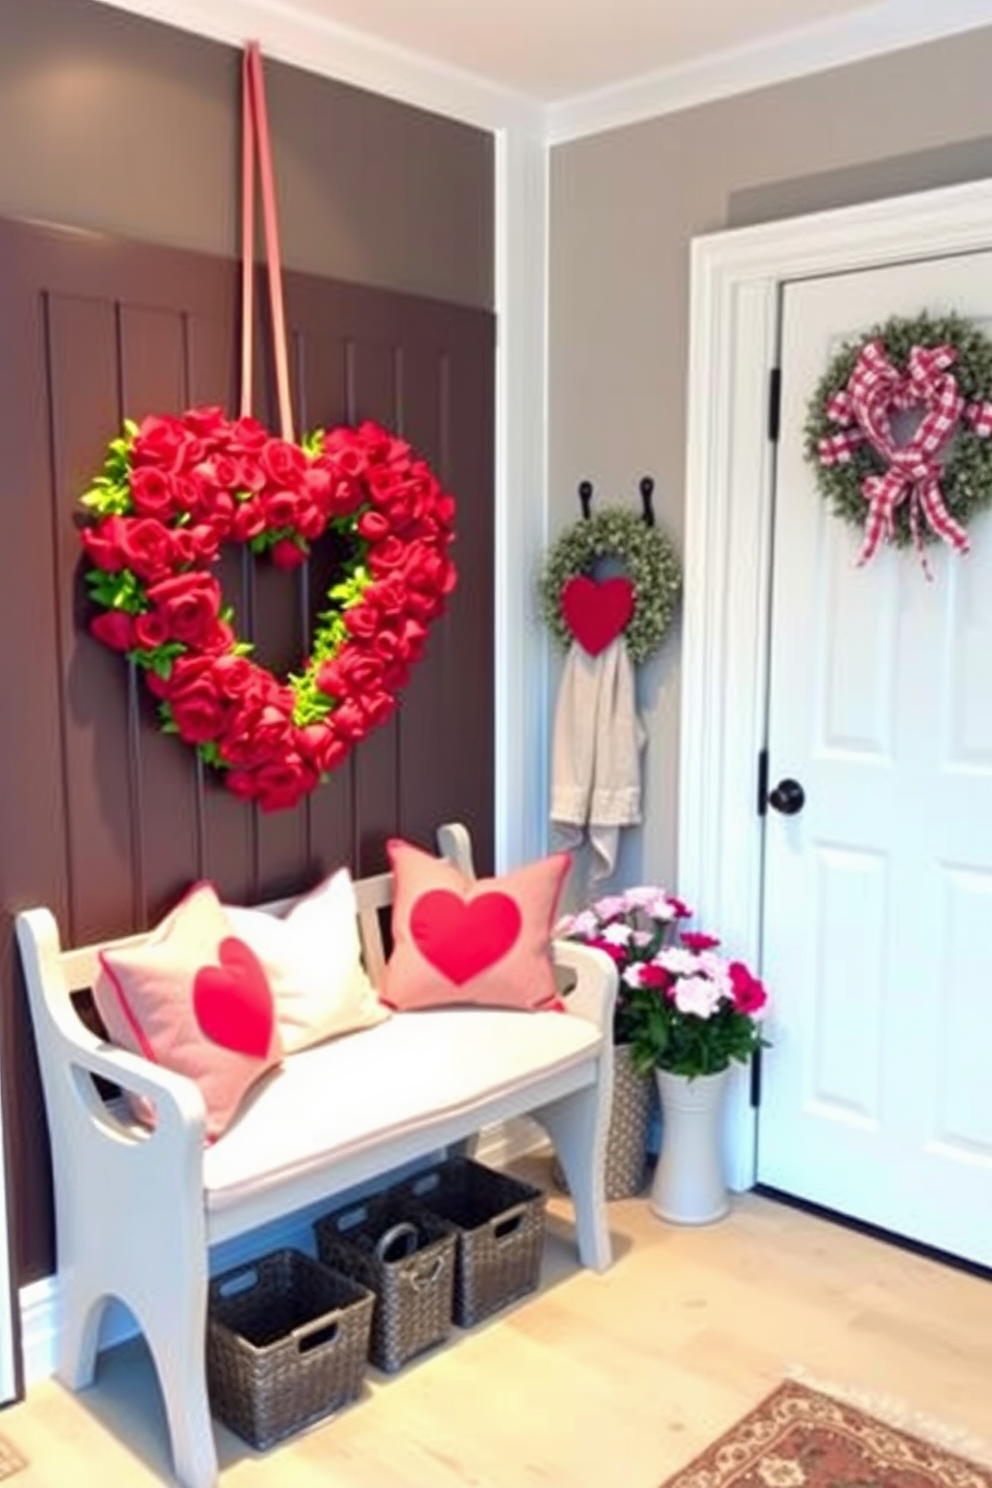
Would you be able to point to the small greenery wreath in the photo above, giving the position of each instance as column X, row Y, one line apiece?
column 647, row 556
column 965, row 480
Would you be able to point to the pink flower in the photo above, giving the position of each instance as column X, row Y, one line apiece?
column 698, row 940
column 696, row 995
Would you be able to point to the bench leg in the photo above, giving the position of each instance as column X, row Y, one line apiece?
column 176, row 1338
column 576, row 1125
column 78, row 1335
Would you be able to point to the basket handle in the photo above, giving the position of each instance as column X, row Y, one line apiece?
column 428, row 1275
column 504, row 1226
column 312, row 1335
column 234, row 1283
column 397, row 1243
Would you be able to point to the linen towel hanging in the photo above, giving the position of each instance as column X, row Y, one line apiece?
column 596, row 753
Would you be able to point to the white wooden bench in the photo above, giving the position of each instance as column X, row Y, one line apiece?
column 137, row 1211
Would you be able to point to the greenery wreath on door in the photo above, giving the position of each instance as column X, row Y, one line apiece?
column 899, row 432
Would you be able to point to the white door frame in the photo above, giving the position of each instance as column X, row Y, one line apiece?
column 737, row 278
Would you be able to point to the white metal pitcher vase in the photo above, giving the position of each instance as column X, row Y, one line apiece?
column 689, row 1186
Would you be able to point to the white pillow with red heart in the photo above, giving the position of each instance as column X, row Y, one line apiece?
column 312, row 957
column 485, row 941
column 194, row 998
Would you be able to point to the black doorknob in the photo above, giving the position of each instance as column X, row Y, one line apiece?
column 787, row 797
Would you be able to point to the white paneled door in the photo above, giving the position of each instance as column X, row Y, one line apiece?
column 877, row 911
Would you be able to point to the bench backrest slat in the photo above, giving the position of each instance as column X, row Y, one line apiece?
column 81, row 964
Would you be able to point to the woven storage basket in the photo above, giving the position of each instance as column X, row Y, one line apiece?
column 407, row 1258
column 500, row 1223
column 287, row 1343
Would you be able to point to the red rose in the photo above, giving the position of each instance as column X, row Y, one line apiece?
column 207, row 423
column 146, row 547
column 189, row 604
column 386, row 646
column 343, row 451
column 166, row 443
column 320, row 744
column 353, row 671
column 234, row 676
column 373, row 526
column 282, row 509
column 248, row 520
column 284, row 463
column 114, row 629
column 150, row 631
column 349, row 720
column 260, row 731
column 219, row 472
column 387, row 556
column 250, row 475
column 410, row 640
column 103, row 544
column 362, row 620
column 153, row 492
column 198, row 710
column 376, row 707
column 197, row 545
column 388, row 596
column 288, row 554
column 246, row 436
column 276, row 785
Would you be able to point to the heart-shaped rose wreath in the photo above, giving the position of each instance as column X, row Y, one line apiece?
column 173, row 491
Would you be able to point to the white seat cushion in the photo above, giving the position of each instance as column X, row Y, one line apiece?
column 339, row 1098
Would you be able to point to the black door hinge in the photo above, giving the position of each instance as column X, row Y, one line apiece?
column 756, row 1079
column 774, row 403
column 762, row 782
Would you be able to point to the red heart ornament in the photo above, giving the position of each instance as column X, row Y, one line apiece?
column 462, row 938
column 596, row 613
column 233, row 1001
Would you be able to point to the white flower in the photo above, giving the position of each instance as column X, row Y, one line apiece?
column 610, row 906
column 781, row 1472
column 678, row 960
column 617, row 934
column 716, row 968
column 584, row 924
column 641, row 938
column 696, row 994
column 631, row 975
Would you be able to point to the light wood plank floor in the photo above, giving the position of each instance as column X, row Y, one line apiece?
column 608, row 1381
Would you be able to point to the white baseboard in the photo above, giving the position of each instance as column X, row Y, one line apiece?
column 497, row 1146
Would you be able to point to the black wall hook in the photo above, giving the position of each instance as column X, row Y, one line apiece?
column 647, row 493
column 585, row 496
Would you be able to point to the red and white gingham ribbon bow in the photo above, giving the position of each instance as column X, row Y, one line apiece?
column 876, row 390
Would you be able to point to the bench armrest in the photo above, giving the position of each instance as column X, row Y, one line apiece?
column 595, row 991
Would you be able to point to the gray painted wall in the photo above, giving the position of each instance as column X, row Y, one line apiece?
column 113, row 122
column 624, row 207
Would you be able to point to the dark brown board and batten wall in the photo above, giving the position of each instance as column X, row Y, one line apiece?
column 101, row 816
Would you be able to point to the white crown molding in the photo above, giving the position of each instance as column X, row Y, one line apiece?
column 887, row 27
column 289, row 34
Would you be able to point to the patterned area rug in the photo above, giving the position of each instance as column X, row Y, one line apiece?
column 800, row 1438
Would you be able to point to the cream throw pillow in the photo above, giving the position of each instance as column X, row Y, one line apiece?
column 313, row 961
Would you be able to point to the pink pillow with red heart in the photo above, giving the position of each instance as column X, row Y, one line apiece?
column 195, row 999
column 485, row 941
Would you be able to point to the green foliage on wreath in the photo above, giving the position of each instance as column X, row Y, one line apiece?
column 966, row 482
column 646, row 555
